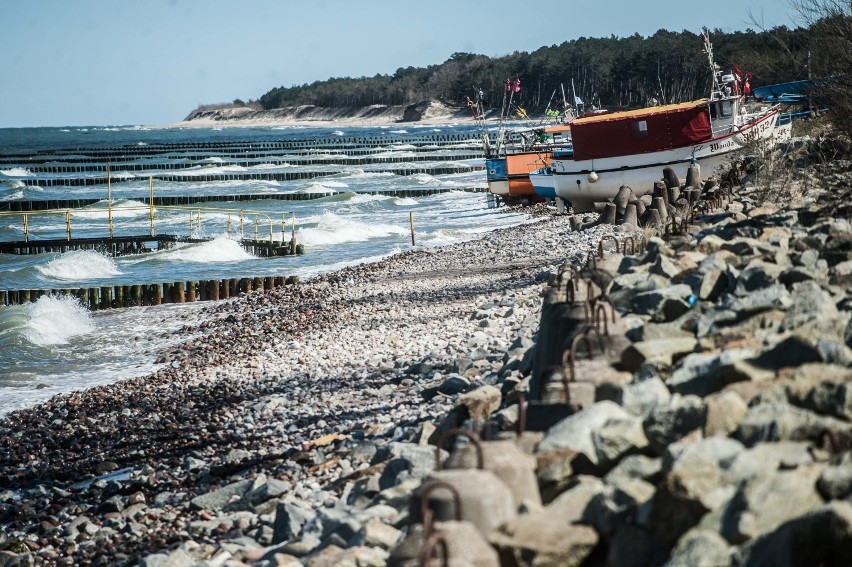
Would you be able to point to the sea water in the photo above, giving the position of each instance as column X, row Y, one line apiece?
column 55, row 345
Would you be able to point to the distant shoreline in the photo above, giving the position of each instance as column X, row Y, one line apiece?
column 421, row 114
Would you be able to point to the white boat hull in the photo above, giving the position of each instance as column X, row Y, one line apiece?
column 585, row 182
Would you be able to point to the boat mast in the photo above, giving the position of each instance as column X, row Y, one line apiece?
column 715, row 70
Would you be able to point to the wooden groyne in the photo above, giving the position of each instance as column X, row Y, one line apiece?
column 137, row 295
column 348, row 143
column 85, row 164
column 125, row 245
column 234, row 176
column 179, row 200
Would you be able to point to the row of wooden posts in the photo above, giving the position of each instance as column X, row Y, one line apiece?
column 110, row 297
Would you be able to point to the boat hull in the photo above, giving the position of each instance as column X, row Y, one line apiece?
column 510, row 175
column 586, row 182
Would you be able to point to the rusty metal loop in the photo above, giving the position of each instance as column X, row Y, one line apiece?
column 591, row 261
column 586, row 331
column 569, row 290
column 569, row 355
column 584, row 336
column 430, row 543
column 601, row 243
column 632, row 245
column 590, row 290
column 425, row 513
column 600, row 307
column 480, row 462
column 486, row 431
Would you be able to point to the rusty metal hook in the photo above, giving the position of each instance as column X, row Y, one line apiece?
column 601, row 242
column 591, row 261
column 522, row 414
column 430, row 543
column 480, row 461
column 585, row 333
column 632, row 245
column 600, row 307
column 426, row 515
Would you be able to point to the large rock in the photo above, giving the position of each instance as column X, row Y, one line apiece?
column 701, row 374
column 575, row 432
column 767, row 457
column 541, row 540
column 784, row 422
column 644, row 393
column 725, row 412
column 667, row 424
column 662, row 353
column 764, row 502
column 663, row 304
column 618, row 438
column 823, row 388
column 700, row 548
column 822, row 536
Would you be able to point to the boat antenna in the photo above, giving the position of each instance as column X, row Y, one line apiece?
column 715, row 70
column 477, row 108
column 574, row 92
column 568, row 110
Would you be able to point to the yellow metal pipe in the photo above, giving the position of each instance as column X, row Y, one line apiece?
column 151, row 201
column 109, row 200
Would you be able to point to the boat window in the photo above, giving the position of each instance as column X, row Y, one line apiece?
column 722, row 109
column 640, row 128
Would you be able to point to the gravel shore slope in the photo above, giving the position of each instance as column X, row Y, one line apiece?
column 274, row 378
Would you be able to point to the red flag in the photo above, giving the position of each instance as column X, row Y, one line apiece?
column 508, row 85
column 516, row 86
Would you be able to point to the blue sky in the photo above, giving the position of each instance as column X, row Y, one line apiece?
column 119, row 62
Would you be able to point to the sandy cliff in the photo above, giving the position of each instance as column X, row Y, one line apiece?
column 424, row 112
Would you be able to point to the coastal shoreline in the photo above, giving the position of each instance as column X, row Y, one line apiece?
column 276, row 373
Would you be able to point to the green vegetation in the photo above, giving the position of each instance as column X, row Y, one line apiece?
column 608, row 72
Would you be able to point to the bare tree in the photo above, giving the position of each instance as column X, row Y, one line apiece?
column 830, row 22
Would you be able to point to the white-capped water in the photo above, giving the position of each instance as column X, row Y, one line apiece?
column 347, row 226
column 220, row 249
column 79, row 265
column 56, row 321
column 17, row 172
column 330, row 229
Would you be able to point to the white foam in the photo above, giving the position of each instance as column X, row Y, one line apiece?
column 331, row 183
column 317, row 188
column 423, row 178
column 14, row 184
column 338, row 133
column 333, row 229
column 17, row 172
column 121, row 208
column 399, row 131
column 220, row 249
column 80, row 265
column 405, row 201
column 357, row 198
column 361, row 174
column 55, row 320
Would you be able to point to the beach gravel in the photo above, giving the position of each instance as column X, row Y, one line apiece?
column 285, row 393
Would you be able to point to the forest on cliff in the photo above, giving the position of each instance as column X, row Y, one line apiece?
column 605, row 72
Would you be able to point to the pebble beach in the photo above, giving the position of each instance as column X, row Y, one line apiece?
column 299, row 423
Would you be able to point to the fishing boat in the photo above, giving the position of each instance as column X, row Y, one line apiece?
column 633, row 147
column 508, row 171
column 515, row 152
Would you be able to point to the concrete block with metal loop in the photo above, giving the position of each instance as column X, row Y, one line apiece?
column 461, row 543
column 484, row 499
column 504, row 458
